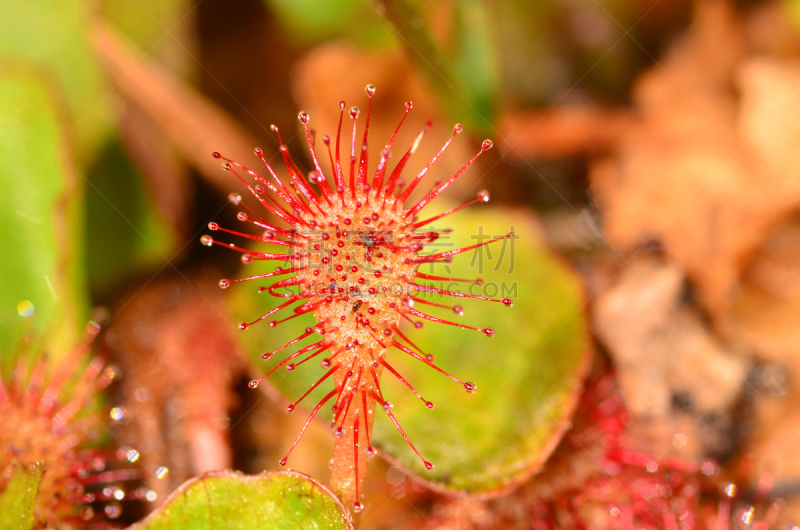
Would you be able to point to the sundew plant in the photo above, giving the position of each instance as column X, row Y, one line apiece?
column 351, row 249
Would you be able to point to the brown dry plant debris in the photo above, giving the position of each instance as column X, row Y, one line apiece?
column 344, row 66
column 180, row 361
column 708, row 170
column 565, row 131
column 672, row 371
column 194, row 125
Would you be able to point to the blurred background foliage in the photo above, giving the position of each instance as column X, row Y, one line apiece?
column 477, row 58
column 109, row 110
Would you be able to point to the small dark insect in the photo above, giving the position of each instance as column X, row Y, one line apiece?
column 368, row 240
column 356, row 306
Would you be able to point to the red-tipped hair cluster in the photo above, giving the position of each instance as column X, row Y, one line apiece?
column 45, row 423
column 594, row 480
column 351, row 254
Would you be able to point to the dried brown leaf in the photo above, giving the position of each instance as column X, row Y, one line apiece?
column 660, row 347
column 766, row 320
column 706, row 173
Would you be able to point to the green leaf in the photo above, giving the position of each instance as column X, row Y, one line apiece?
column 16, row 501
column 475, row 62
column 52, row 35
column 529, row 374
column 40, row 230
column 126, row 234
column 312, row 21
column 230, row 500
column 163, row 29
column 465, row 78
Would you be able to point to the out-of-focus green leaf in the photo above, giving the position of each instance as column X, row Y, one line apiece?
column 16, row 501
column 41, row 240
column 528, row 375
column 284, row 500
column 52, row 34
column 546, row 49
column 464, row 78
column 314, row 21
column 125, row 232
column 475, row 61
column 161, row 28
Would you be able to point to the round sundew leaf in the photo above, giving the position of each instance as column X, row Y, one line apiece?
column 231, row 500
column 16, row 500
column 40, row 231
column 529, row 374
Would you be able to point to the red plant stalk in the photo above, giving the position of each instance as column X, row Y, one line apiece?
column 351, row 254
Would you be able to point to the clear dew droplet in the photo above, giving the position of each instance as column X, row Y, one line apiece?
column 207, row 240
column 357, row 507
column 470, row 387
column 25, row 308
column 113, row 510
column 253, row 383
column 87, row 513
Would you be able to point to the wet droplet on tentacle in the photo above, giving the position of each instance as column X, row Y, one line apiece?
column 113, row 510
